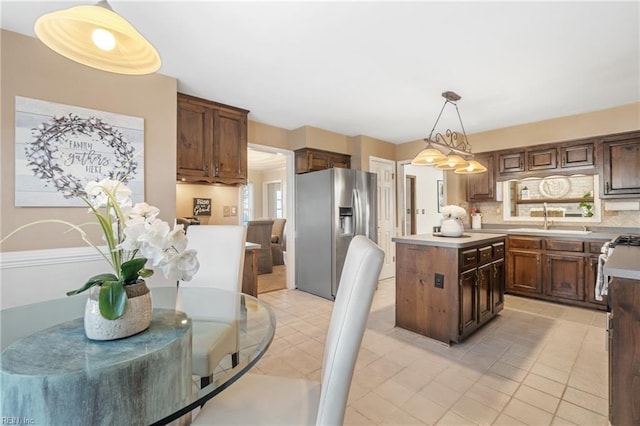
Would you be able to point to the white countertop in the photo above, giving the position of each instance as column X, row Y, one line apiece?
column 467, row 239
column 624, row 262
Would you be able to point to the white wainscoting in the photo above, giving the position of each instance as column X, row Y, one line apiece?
column 38, row 275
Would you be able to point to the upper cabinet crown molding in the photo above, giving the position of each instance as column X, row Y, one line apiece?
column 211, row 142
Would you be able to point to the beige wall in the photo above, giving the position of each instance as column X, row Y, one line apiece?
column 363, row 147
column 32, row 70
column 220, row 196
column 265, row 134
column 614, row 120
column 313, row 137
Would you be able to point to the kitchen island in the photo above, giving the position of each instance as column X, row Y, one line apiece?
column 447, row 288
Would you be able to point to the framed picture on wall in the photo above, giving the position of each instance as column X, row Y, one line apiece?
column 441, row 200
column 59, row 148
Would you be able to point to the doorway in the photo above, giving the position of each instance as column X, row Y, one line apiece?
column 271, row 179
column 385, row 170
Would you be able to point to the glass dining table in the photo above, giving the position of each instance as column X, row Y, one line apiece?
column 52, row 373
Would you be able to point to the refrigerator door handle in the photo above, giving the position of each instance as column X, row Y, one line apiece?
column 359, row 221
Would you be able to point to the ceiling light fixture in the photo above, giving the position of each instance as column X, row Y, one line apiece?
column 459, row 156
column 96, row 36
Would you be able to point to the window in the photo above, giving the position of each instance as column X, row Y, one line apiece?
column 274, row 200
column 247, row 202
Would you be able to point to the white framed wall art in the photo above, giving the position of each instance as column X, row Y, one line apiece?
column 59, row 148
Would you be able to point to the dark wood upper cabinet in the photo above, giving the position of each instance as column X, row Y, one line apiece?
column 511, row 162
column 579, row 155
column 211, row 142
column 621, row 168
column 481, row 186
column 311, row 159
column 542, row 159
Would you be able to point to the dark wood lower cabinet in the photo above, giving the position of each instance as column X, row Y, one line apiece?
column 624, row 352
column 448, row 293
column 554, row 269
column 524, row 272
column 565, row 276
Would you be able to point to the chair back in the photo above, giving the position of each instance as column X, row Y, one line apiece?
column 358, row 282
column 221, row 251
column 278, row 230
column 259, row 232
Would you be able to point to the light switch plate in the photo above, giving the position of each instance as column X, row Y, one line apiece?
column 226, row 211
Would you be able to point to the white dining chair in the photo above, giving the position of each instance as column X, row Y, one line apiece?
column 268, row 400
column 221, row 251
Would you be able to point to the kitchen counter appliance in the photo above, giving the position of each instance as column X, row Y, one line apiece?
column 626, row 240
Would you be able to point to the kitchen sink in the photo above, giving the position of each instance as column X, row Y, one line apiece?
column 549, row 231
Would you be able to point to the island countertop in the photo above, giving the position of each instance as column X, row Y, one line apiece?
column 466, row 240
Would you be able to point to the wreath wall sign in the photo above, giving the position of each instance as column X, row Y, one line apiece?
column 59, row 148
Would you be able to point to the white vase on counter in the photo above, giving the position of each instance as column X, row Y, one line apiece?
column 451, row 227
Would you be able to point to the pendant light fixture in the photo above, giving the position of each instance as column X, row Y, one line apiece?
column 96, row 36
column 459, row 157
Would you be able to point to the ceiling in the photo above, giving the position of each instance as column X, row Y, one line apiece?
column 379, row 68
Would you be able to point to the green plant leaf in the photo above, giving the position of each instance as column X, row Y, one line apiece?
column 112, row 300
column 130, row 270
column 95, row 280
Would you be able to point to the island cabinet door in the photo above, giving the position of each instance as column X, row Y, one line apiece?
column 484, row 283
column 497, row 285
column 468, row 303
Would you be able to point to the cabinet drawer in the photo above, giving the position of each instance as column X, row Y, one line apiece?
column 525, row 243
column 562, row 245
column 485, row 254
column 595, row 246
column 498, row 250
column 468, row 258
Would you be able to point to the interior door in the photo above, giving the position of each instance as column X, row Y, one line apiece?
column 385, row 169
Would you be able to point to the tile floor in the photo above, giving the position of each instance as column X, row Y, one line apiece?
column 537, row 363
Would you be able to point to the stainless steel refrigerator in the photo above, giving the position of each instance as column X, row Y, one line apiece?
column 332, row 206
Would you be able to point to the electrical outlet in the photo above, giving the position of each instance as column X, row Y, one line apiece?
column 439, row 280
column 226, row 211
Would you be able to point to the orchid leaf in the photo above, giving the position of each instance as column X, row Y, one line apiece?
column 112, row 300
column 95, row 280
column 130, row 270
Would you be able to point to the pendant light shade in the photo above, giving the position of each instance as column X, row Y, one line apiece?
column 472, row 168
column 98, row 37
column 452, row 162
column 453, row 142
column 428, row 157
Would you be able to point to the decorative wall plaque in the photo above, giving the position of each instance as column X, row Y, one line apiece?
column 202, row 206
column 59, row 148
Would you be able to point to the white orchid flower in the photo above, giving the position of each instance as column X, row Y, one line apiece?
column 144, row 210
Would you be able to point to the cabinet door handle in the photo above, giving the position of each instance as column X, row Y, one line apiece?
column 606, row 187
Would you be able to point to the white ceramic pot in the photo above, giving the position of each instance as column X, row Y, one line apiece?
column 136, row 317
column 451, row 227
